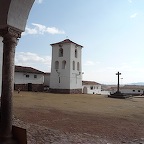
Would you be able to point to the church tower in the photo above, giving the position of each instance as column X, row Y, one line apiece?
column 66, row 69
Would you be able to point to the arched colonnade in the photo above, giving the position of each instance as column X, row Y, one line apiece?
column 13, row 18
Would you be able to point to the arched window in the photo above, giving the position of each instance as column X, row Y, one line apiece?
column 73, row 65
column 78, row 68
column 63, row 64
column 56, row 65
column 75, row 53
column 60, row 52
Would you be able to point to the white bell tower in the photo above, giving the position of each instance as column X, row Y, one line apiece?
column 66, row 69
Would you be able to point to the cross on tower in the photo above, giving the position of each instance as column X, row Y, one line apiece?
column 118, row 81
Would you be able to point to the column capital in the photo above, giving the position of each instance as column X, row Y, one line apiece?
column 10, row 35
column 10, row 32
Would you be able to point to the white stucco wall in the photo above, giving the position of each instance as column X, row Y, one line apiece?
column 47, row 79
column 75, row 75
column 1, row 56
column 133, row 91
column 20, row 78
column 92, row 89
column 105, row 92
column 62, row 73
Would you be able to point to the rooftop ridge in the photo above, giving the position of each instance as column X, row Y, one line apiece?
column 66, row 41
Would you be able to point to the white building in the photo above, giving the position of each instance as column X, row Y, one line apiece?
column 66, row 69
column 29, row 79
column 46, row 79
column 91, row 87
column 1, row 59
column 129, row 89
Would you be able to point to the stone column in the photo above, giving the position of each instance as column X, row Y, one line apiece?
column 10, row 39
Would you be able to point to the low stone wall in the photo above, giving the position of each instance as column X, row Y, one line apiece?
column 37, row 87
column 22, row 87
column 34, row 87
column 66, row 91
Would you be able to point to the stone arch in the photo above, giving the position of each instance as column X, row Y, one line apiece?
column 75, row 53
column 63, row 64
column 61, row 52
column 73, row 63
column 85, row 90
column 56, row 65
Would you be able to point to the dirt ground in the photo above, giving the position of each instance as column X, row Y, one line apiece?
column 117, row 120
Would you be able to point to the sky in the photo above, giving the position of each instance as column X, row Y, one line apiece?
column 111, row 32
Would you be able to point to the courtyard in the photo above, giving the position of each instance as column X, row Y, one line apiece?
column 79, row 118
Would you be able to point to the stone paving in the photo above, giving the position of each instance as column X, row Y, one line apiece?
column 37, row 134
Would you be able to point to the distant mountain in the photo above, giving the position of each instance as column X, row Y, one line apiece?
column 138, row 83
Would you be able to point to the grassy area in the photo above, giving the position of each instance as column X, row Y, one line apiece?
column 81, row 103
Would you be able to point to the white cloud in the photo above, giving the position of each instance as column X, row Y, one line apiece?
column 130, row 1
column 134, row 15
column 89, row 63
column 42, row 29
column 30, row 31
column 39, row 1
column 33, row 60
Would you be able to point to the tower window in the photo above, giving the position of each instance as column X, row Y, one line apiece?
column 27, row 76
column 75, row 53
column 63, row 64
column 56, row 65
column 35, row 76
column 91, row 87
column 59, row 79
column 73, row 65
column 60, row 52
column 78, row 66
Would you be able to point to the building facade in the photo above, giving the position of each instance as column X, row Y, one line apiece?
column 66, row 69
column 129, row 89
column 91, row 87
column 28, row 79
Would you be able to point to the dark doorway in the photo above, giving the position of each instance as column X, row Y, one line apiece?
column 29, row 86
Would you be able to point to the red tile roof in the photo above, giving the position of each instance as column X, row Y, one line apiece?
column 47, row 73
column 89, row 83
column 66, row 41
column 27, row 70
